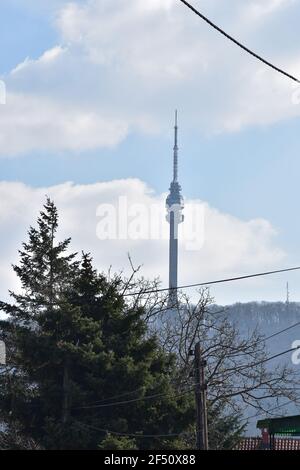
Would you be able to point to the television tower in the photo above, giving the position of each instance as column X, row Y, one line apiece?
column 174, row 205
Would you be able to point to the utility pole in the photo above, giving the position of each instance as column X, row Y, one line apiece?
column 200, row 396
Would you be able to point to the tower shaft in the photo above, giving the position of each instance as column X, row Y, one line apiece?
column 174, row 206
column 173, row 260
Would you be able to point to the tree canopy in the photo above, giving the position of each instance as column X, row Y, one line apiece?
column 80, row 362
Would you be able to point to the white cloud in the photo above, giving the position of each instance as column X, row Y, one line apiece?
column 123, row 67
column 30, row 122
column 231, row 246
column 258, row 9
column 47, row 57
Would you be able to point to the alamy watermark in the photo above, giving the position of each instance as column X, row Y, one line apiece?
column 137, row 221
column 2, row 92
column 296, row 353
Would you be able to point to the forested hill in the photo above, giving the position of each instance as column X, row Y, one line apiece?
column 269, row 318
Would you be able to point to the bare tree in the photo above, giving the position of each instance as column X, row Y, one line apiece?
column 239, row 369
column 142, row 293
column 239, row 372
column 241, row 378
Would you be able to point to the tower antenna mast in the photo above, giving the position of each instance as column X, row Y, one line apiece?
column 175, row 155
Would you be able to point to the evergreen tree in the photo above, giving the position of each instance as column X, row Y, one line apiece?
column 134, row 363
column 77, row 350
column 226, row 429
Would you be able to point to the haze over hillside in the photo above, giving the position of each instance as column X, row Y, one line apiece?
column 269, row 318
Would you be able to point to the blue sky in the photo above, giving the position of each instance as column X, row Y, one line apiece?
column 239, row 145
column 23, row 32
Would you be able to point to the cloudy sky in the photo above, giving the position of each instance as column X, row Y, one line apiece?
column 91, row 90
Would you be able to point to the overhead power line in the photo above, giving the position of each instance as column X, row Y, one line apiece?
column 267, row 411
column 158, row 395
column 263, row 387
column 262, row 361
column 134, row 400
column 238, row 43
column 116, row 433
column 267, row 359
column 152, row 436
column 115, row 397
column 121, row 395
column 101, row 404
column 262, row 340
column 281, row 331
column 209, row 283
column 141, row 436
column 278, row 355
